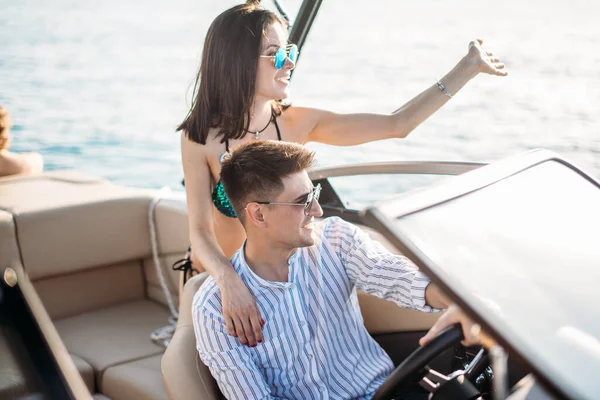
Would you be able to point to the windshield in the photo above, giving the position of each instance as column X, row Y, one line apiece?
column 524, row 254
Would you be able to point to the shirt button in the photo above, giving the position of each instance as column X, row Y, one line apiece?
column 302, row 323
column 310, row 356
column 321, row 388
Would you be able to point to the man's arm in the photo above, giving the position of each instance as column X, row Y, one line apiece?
column 374, row 270
column 230, row 362
column 435, row 298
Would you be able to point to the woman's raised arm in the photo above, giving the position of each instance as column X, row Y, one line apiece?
column 240, row 311
column 352, row 129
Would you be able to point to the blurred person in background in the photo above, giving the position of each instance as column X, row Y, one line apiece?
column 15, row 163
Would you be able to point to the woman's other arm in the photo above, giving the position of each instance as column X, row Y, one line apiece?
column 240, row 311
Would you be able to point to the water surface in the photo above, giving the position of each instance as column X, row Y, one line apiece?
column 101, row 86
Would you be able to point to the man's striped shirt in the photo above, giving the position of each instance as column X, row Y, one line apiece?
column 315, row 344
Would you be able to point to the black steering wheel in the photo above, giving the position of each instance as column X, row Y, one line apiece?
column 414, row 367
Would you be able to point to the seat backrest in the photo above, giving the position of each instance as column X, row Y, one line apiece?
column 11, row 379
column 184, row 375
column 85, row 242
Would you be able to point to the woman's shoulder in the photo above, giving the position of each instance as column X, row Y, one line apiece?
column 292, row 112
column 20, row 163
column 299, row 121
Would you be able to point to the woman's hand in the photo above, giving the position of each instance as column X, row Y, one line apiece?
column 242, row 316
column 484, row 59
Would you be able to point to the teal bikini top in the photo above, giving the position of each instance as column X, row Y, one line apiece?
column 219, row 197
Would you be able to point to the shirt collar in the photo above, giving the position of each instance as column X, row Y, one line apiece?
column 259, row 283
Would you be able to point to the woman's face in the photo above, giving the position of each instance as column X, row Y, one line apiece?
column 272, row 83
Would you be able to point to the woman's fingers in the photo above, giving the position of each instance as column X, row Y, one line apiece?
column 241, row 314
column 229, row 326
column 247, row 327
column 488, row 62
column 256, row 325
column 499, row 70
column 248, row 332
column 492, row 65
column 240, row 330
column 475, row 42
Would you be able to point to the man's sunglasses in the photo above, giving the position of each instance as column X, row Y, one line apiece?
column 308, row 204
column 290, row 51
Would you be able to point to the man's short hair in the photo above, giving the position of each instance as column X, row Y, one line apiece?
column 254, row 171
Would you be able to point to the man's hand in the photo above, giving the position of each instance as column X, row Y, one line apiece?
column 453, row 315
column 242, row 316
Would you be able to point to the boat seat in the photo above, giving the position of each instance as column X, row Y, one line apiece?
column 86, row 371
column 139, row 379
column 184, row 375
column 77, row 371
column 113, row 335
column 85, row 245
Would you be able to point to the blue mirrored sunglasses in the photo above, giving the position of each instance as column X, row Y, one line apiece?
column 290, row 51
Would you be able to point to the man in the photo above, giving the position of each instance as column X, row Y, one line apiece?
column 304, row 276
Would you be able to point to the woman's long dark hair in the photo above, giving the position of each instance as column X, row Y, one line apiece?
column 226, row 80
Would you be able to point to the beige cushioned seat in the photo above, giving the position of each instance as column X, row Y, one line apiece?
column 86, row 371
column 85, row 244
column 184, row 374
column 11, row 379
column 100, row 396
column 114, row 335
column 135, row 380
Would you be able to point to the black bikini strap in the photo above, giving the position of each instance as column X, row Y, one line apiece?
column 277, row 127
column 226, row 145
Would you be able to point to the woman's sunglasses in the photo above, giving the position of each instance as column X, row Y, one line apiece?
column 308, row 204
column 290, row 51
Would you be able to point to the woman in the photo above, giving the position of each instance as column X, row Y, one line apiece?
column 15, row 163
column 245, row 70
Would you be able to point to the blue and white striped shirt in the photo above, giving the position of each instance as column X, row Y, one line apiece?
column 315, row 344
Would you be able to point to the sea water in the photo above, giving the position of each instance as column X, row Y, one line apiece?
column 100, row 86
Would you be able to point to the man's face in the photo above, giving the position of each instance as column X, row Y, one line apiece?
column 288, row 224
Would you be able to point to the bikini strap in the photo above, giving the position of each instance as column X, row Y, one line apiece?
column 226, row 145
column 277, row 127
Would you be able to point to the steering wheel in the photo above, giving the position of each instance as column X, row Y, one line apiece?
column 415, row 365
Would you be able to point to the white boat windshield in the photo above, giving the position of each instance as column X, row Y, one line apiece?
column 524, row 254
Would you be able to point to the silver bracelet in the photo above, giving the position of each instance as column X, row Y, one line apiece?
column 443, row 89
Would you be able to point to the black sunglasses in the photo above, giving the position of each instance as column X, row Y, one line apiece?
column 308, row 204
